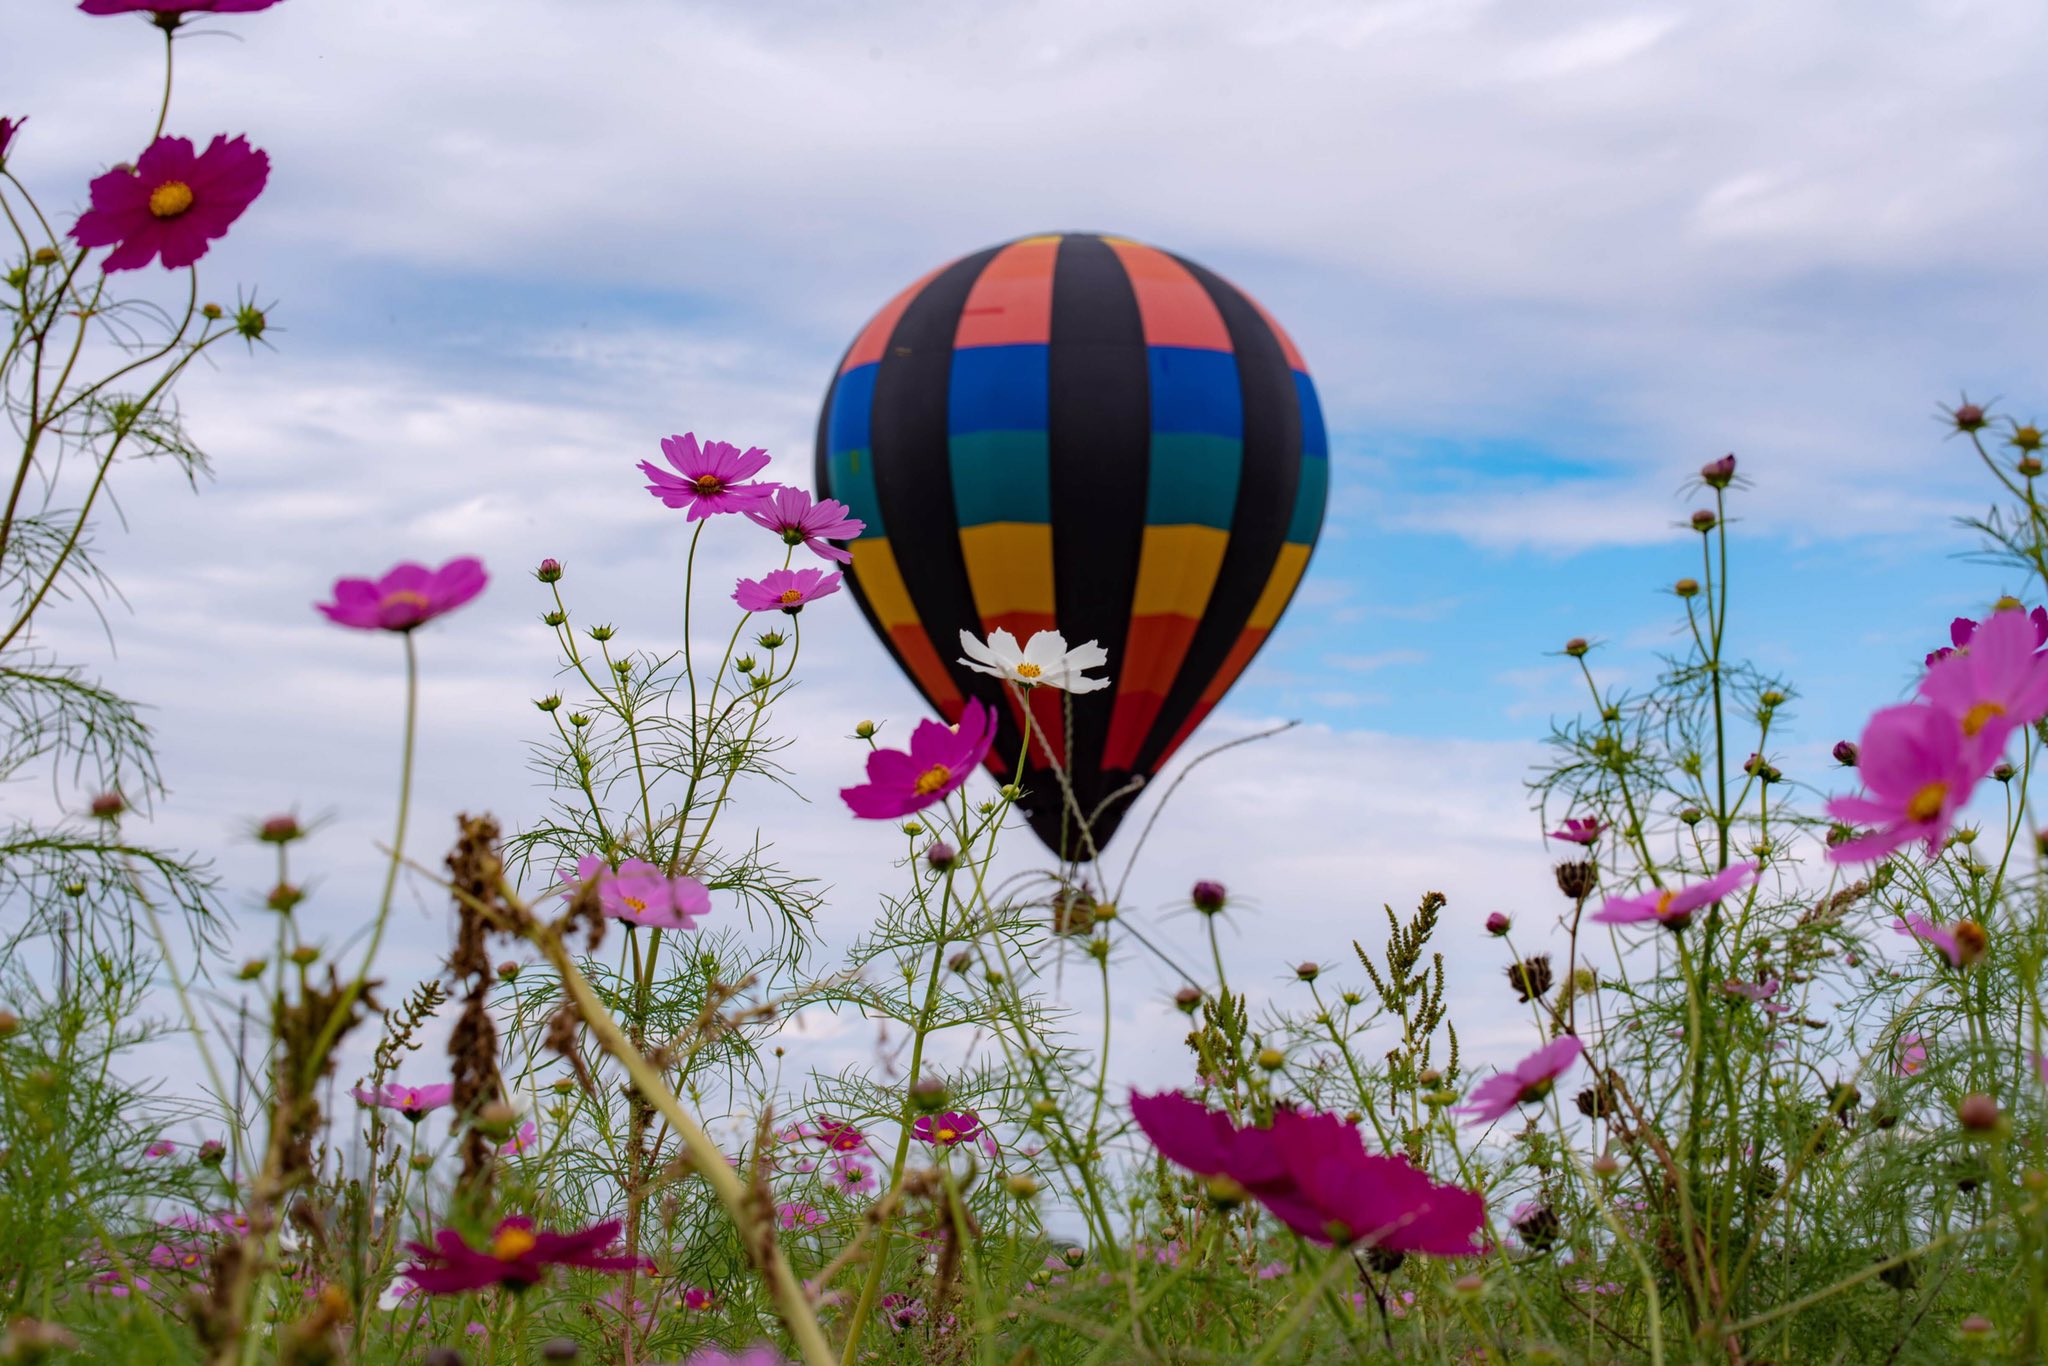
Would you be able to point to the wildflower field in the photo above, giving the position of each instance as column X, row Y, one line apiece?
column 1778, row 1090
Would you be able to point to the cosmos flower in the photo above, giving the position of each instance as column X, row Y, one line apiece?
column 696, row 1298
column 1674, row 908
column 1579, row 830
column 516, row 1258
column 641, row 894
column 163, row 1147
column 1912, row 1058
column 173, row 10
column 1752, row 991
column 1996, row 686
column 952, row 1128
column 760, row 1355
column 785, row 590
column 525, row 1141
column 1529, row 1080
column 1917, row 768
column 794, row 1214
column 791, row 514
column 939, row 760
column 1043, row 662
column 1963, row 942
column 1962, row 630
column 856, row 1178
column 411, row 1101
column 712, row 476
column 172, row 202
column 407, row 597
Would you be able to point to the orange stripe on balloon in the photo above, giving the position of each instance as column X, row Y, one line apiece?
column 1129, row 724
column 1233, row 664
column 1153, row 653
column 1049, row 722
column 1011, row 302
column 1174, row 308
column 1022, row 625
column 874, row 338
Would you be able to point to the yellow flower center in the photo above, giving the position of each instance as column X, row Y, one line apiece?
column 709, row 483
column 1028, row 671
column 791, row 595
column 944, row 1135
column 1980, row 716
column 1927, row 802
column 1664, row 903
column 932, row 779
column 170, row 199
column 510, row 1244
column 405, row 597
column 636, row 903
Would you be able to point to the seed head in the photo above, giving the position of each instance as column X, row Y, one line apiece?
column 1531, row 977
column 1576, row 878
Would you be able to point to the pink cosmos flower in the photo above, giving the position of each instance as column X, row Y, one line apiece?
column 1963, row 942
column 1752, row 991
column 785, row 590
column 1579, row 830
column 1912, row 1055
column 1918, row 769
column 411, row 1101
column 797, row 1215
column 525, row 1141
column 856, row 1178
column 953, row 1128
column 409, row 596
column 1962, row 630
column 172, row 203
column 1530, row 1080
column 175, row 9
column 791, row 514
column 163, row 1147
column 696, row 1298
column 839, row 1135
column 641, row 894
column 517, row 1257
column 761, row 1355
column 902, row 1311
column 1996, row 686
column 1674, row 908
column 938, row 761
column 713, row 476
column 116, row 1284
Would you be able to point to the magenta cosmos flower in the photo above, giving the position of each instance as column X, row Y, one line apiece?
column 1313, row 1173
column 709, row 478
column 791, row 514
column 411, row 1101
column 517, row 1257
column 409, row 596
column 1962, row 943
column 1579, row 830
column 952, row 1129
column 762, row 1355
column 785, row 590
column 1918, row 768
column 938, row 761
column 1994, row 687
column 174, row 9
column 172, row 202
column 8, row 128
column 1674, row 909
column 1530, row 1080
column 641, row 894
column 1962, row 630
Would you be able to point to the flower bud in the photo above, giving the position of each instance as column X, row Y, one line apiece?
column 2029, row 466
column 1074, row 1256
column 1577, row 646
column 9, row 1022
column 601, row 634
column 1497, row 924
column 913, row 828
column 252, row 968
column 744, row 664
column 1021, row 1186
column 559, row 1349
column 960, row 961
column 283, row 897
column 1704, row 520
column 2003, row 772
column 280, row 830
column 550, row 702
column 422, row 1162
column 941, row 856
column 1719, row 474
column 1972, row 942
column 1208, row 896
column 1010, row 792
column 305, row 955
column 1472, row 1283
column 2026, row 437
column 1976, row 1326
column 1692, row 815
column 772, row 640
column 213, row 1152
column 554, row 619
column 1845, row 753
column 1968, row 417
column 1104, row 912
column 1272, row 1059
column 1187, row 1000
column 864, row 730
column 578, row 719
column 1307, row 972
column 108, row 806
column 1771, row 698
column 1098, row 949
column 550, row 571
column 1604, row 1166
column 250, row 323
column 928, row 1095
column 509, row 971
column 1977, row 1112
column 1686, row 588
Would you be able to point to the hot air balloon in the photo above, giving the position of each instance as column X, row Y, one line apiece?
column 1082, row 433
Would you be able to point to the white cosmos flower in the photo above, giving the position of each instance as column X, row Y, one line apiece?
column 1045, row 662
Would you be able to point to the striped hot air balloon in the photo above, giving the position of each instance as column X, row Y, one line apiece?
column 1082, row 433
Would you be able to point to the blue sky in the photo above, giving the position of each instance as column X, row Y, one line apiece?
column 1543, row 260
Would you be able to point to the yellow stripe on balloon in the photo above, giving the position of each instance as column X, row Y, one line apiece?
column 1009, row 567
column 1287, row 572
column 874, row 567
column 1177, row 567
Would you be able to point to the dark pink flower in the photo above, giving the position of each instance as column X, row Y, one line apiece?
column 1530, row 1080
column 1674, row 909
column 839, row 1135
column 712, row 476
column 1996, row 686
column 163, row 1147
column 1579, row 830
column 517, row 1257
column 797, row 1215
column 411, row 1101
column 1497, row 924
column 525, row 1141
column 641, row 894
column 1962, row 942
column 791, row 514
column 1963, row 629
column 1918, row 769
column 1209, row 897
column 938, row 761
column 952, row 1128
column 785, row 590
column 855, row 1177
column 902, row 1311
column 174, row 9
column 407, row 597
column 696, row 1298
column 172, row 203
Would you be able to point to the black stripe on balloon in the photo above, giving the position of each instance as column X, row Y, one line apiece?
column 913, row 470
column 1266, row 487
column 1099, row 426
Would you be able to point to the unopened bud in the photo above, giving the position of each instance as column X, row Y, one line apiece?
column 2026, row 437
column 2029, row 466
column 1188, row 1000
column 1704, row 520
column 550, row 571
column 252, row 968
column 280, row 830
column 1686, row 588
column 305, row 955
column 601, row 634
column 1307, row 972
column 1209, row 897
column 960, row 961
column 1977, row 1112
column 1968, row 417
column 864, row 730
column 1021, row 1186
column 9, row 1022
column 772, row 641
column 1272, row 1059
column 283, row 897
column 1845, row 753
column 108, row 806
column 1971, row 941
column 1692, row 815
column 913, row 828
column 213, row 1152
column 2003, row 772
column 559, row 1349
column 941, row 856
column 1976, row 1326
column 928, row 1094
column 210, row 312
column 1225, row 1193
column 508, row 970
column 1497, row 924
column 1719, row 474
column 1010, row 792
column 1577, row 646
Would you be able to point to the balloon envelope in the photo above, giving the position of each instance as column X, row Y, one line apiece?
column 1078, row 433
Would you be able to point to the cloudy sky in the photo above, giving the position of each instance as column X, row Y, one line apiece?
column 1543, row 260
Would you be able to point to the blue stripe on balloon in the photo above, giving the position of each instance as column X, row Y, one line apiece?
column 1195, row 391
column 998, row 389
column 853, row 405
column 1315, row 443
